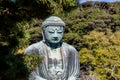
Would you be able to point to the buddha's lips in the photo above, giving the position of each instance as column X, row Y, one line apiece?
column 55, row 39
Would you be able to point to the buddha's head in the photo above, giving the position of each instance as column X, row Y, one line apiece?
column 53, row 29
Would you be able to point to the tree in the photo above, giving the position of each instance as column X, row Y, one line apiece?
column 100, row 55
column 15, row 30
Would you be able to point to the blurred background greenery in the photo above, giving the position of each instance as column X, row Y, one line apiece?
column 93, row 28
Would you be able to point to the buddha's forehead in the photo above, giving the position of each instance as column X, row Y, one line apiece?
column 54, row 27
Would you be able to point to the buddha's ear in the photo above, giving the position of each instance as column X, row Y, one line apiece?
column 43, row 35
column 43, row 28
column 63, row 28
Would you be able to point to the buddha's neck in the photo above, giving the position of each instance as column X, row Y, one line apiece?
column 53, row 46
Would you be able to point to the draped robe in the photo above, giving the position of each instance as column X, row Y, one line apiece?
column 71, row 67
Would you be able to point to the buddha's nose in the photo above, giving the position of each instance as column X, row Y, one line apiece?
column 55, row 35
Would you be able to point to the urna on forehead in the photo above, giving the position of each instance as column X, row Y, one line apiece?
column 54, row 27
column 53, row 21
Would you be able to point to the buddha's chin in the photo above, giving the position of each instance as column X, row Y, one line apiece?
column 55, row 42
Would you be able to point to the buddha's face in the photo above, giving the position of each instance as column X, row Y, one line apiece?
column 53, row 34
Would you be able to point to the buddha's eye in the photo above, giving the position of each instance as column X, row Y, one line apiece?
column 51, row 32
column 59, row 32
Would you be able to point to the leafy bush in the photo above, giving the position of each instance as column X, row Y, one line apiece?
column 92, row 28
column 32, row 61
column 17, row 67
column 100, row 54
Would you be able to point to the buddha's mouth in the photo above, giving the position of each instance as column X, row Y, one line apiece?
column 55, row 39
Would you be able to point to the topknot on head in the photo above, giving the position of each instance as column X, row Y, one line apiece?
column 53, row 20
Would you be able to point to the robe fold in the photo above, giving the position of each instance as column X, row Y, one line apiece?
column 71, row 67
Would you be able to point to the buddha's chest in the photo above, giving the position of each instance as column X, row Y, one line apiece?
column 55, row 59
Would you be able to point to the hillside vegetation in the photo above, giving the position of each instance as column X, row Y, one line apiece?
column 93, row 28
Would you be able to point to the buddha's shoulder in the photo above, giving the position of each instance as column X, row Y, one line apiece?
column 36, row 45
column 68, row 46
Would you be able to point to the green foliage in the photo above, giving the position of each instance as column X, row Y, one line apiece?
column 12, row 67
column 100, row 54
column 14, row 37
column 18, row 66
column 73, row 39
column 32, row 61
column 48, row 6
column 23, row 34
column 92, row 28
column 35, row 30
